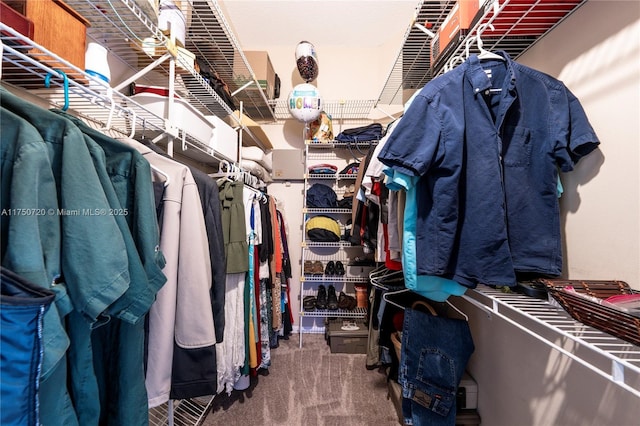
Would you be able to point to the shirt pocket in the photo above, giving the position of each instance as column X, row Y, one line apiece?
column 516, row 146
column 434, row 385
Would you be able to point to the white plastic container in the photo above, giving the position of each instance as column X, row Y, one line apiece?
column 224, row 139
column 171, row 20
column 185, row 116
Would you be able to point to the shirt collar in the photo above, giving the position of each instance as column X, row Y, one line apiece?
column 478, row 78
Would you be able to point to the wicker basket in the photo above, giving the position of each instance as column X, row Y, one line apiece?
column 602, row 317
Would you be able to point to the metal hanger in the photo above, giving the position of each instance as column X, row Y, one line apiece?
column 391, row 293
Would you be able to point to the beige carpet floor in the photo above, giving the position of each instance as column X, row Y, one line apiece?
column 311, row 387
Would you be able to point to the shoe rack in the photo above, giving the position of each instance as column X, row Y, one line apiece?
column 317, row 255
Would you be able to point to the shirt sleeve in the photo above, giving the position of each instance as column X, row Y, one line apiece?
column 412, row 146
column 576, row 138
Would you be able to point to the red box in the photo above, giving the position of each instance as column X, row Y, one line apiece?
column 454, row 27
column 56, row 27
column 16, row 20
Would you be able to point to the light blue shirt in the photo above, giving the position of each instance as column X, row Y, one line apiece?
column 430, row 286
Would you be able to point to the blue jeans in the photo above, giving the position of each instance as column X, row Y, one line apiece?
column 435, row 351
column 22, row 307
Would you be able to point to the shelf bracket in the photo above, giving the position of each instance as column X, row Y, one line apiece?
column 240, row 89
column 142, row 72
column 421, row 27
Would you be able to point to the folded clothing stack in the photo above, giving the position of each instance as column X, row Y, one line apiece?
column 323, row 169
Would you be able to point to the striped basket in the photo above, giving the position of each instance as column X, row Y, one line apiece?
column 610, row 320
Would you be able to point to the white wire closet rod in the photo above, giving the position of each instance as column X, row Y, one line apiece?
column 511, row 307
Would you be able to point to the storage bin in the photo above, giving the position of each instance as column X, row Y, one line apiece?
column 347, row 336
column 224, row 139
column 185, row 116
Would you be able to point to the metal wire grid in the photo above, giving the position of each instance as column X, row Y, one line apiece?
column 26, row 65
column 211, row 39
column 186, row 412
column 328, row 211
column 354, row 110
column 619, row 361
column 124, row 28
column 341, row 313
column 518, row 25
column 337, row 176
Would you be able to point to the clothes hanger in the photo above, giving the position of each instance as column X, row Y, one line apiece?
column 224, row 171
column 162, row 173
column 485, row 54
column 65, row 86
column 386, row 295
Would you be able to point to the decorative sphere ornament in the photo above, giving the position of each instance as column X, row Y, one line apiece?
column 307, row 61
column 305, row 102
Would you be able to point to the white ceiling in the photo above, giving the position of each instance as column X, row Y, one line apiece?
column 261, row 24
column 345, row 35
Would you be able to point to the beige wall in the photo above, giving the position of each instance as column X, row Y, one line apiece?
column 596, row 52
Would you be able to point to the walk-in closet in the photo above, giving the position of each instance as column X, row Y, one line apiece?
column 363, row 212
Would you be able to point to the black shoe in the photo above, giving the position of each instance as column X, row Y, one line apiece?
column 330, row 269
column 321, row 300
column 339, row 268
column 332, row 299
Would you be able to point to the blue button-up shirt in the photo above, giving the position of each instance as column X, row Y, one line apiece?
column 487, row 140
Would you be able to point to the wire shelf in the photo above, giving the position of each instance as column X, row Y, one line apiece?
column 353, row 110
column 328, row 211
column 341, row 313
column 333, row 279
column 186, row 412
column 619, row 361
column 339, row 145
column 518, row 25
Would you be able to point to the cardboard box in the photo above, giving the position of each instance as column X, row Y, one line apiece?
column 453, row 29
column 347, row 336
column 262, row 68
column 56, row 27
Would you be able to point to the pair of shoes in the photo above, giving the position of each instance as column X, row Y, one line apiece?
column 330, row 269
column 346, row 302
column 307, row 268
column 332, row 299
column 309, row 303
column 334, row 268
column 313, row 268
column 321, row 299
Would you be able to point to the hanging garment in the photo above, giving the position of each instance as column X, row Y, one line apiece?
column 194, row 370
column 210, row 200
column 434, row 354
column 488, row 164
column 181, row 314
column 234, row 227
column 22, row 308
column 126, row 181
column 230, row 354
column 432, row 287
column 90, row 279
